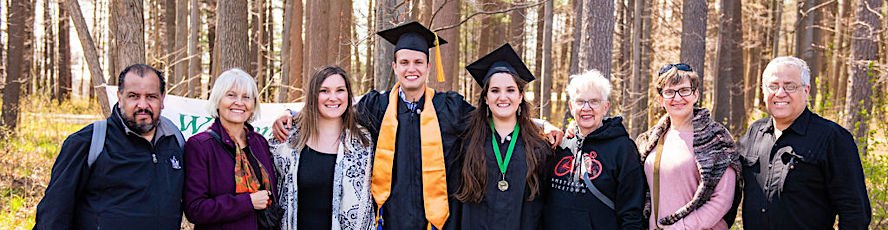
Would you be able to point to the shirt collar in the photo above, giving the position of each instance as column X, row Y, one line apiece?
column 799, row 125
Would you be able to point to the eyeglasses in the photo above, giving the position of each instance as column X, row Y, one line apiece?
column 683, row 92
column 788, row 88
column 679, row 66
column 593, row 103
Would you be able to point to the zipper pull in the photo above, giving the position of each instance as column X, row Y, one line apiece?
column 154, row 158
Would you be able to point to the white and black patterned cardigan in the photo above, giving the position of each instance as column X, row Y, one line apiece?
column 352, row 201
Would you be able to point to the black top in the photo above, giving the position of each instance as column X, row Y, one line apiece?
column 412, row 36
column 107, row 195
column 404, row 207
column 615, row 170
column 315, row 185
column 508, row 209
column 803, row 179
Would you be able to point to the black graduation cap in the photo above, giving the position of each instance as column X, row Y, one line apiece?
column 412, row 36
column 503, row 59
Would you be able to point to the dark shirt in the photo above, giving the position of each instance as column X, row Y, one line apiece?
column 803, row 179
column 315, row 183
column 124, row 189
column 508, row 209
column 616, row 171
column 404, row 208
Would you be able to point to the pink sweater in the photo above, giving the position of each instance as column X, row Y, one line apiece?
column 679, row 179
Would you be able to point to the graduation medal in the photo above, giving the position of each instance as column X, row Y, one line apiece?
column 503, row 185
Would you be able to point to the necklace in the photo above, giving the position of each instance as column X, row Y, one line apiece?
column 503, row 164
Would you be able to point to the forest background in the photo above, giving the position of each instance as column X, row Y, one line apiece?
column 55, row 54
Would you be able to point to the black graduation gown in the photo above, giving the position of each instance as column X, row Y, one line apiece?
column 404, row 207
column 508, row 209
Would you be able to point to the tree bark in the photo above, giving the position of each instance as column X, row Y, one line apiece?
column 130, row 33
column 598, row 27
column 64, row 62
column 178, row 81
column 577, row 37
column 194, row 63
column 18, row 62
column 231, row 37
column 291, row 52
column 387, row 16
column 516, row 27
column 90, row 54
column 538, row 60
column 804, row 41
column 693, row 38
column 837, row 63
column 729, row 107
column 864, row 54
column 328, row 35
column 546, row 78
column 640, row 84
column 448, row 15
column 169, row 8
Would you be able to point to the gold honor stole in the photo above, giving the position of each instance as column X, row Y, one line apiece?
column 434, row 180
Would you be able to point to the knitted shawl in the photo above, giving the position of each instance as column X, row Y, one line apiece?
column 714, row 151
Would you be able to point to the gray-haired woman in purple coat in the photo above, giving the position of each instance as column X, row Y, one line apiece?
column 229, row 174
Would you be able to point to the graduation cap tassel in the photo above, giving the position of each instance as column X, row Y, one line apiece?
column 439, row 67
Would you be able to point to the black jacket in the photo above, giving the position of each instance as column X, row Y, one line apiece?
column 804, row 179
column 615, row 171
column 124, row 189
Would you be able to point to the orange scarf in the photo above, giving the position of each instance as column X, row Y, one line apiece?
column 434, row 180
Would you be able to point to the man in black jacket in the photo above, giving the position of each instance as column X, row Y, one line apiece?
column 136, row 181
column 801, row 170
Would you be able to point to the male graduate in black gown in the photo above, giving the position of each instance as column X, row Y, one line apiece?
column 416, row 163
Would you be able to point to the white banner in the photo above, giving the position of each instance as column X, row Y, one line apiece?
column 191, row 115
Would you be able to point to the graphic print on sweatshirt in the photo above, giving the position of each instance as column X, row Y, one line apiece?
column 569, row 171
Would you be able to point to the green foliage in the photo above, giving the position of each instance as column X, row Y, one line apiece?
column 27, row 155
column 875, row 168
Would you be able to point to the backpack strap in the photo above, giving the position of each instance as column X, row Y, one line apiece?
column 597, row 193
column 97, row 143
column 179, row 137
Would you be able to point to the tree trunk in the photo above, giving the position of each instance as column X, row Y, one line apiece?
column 130, row 33
column 838, row 48
column 170, row 34
column 178, row 82
column 64, row 62
column 194, row 63
column 367, row 79
column 577, row 37
column 693, row 39
column 538, row 60
column 291, row 66
column 546, row 78
column 90, row 54
column 211, row 39
column 729, row 108
column 328, row 35
column 598, row 26
column 232, row 40
column 640, row 84
column 864, row 54
column 804, row 41
column 516, row 27
column 387, row 17
column 449, row 15
column 17, row 68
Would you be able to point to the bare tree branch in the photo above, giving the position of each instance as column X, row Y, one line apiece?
column 488, row 13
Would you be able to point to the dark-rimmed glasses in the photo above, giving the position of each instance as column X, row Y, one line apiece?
column 683, row 92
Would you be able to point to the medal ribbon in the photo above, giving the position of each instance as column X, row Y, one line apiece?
column 499, row 158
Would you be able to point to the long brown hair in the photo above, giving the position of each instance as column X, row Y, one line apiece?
column 307, row 120
column 474, row 171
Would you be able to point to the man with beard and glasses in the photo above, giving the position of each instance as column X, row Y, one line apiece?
column 135, row 182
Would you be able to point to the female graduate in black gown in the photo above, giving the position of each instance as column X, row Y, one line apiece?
column 505, row 158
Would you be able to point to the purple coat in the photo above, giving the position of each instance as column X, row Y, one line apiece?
column 208, row 197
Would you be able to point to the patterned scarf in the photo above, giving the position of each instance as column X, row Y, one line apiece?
column 245, row 179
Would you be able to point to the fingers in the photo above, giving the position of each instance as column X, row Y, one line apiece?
column 260, row 199
column 280, row 133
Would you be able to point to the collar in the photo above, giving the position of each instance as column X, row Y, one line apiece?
column 411, row 105
column 226, row 139
column 799, row 125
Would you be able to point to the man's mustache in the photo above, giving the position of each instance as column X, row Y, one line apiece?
column 143, row 111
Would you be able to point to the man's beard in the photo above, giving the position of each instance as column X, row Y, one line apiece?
column 133, row 125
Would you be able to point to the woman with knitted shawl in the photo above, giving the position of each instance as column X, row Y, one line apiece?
column 690, row 161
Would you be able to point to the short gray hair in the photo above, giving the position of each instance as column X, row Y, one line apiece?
column 587, row 81
column 790, row 61
column 233, row 79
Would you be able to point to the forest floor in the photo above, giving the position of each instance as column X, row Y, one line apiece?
column 26, row 160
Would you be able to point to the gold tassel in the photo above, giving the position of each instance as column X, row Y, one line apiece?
column 440, row 68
